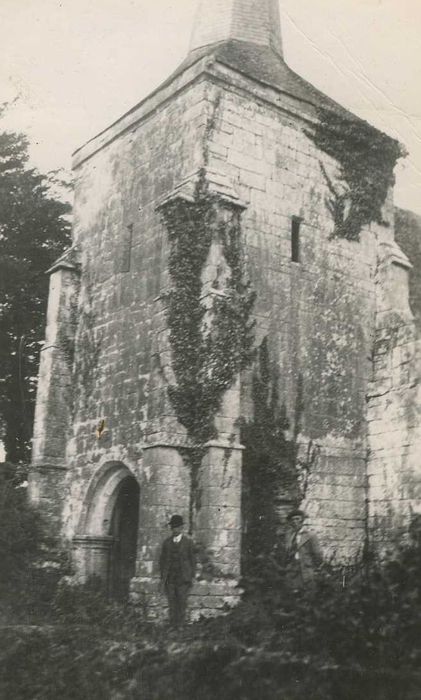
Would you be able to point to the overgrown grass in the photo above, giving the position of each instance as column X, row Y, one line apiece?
column 335, row 642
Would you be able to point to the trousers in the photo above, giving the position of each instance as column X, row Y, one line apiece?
column 177, row 594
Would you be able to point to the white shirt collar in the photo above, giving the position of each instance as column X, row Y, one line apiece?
column 177, row 538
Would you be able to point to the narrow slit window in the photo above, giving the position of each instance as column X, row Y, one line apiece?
column 295, row 239
column 123, row 254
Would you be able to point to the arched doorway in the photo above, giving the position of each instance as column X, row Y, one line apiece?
column 124, row 530
column 106, row 543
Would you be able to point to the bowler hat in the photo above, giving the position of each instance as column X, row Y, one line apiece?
column 295, row 514
column 176, row 521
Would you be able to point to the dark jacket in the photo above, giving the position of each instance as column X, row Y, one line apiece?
column 306, row 553
column 187, row 559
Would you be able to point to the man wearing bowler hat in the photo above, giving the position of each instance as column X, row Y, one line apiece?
column 177, row 565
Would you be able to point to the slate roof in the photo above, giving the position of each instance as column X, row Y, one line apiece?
column 266, row 66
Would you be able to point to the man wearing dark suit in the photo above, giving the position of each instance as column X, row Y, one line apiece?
column 303, row 554
column 177, row 566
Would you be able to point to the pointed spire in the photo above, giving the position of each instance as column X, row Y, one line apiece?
column 253, row 21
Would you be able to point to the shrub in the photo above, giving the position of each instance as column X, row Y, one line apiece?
column 31, row 564
column 81, row 605
column 330, row 642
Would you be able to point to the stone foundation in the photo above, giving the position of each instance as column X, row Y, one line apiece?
column 206, row 599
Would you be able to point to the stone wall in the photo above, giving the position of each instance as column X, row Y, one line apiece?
column 318, row 314
column 122, row 357
column 121, row 333
column 408, row 237
column 393, row 403
column 54, row 406
column 121, row 421
column 321, row 315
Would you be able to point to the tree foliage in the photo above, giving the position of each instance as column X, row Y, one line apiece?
column 34, row 231
column 31, row 563
column 351, row 637
column 355, row 634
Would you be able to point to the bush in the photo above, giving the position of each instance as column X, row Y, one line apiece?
column 31, row 564
column 46, row 663
column 330, row 642
column 333, row 642
column 82, row 605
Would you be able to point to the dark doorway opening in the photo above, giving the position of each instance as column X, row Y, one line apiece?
column 124, row 529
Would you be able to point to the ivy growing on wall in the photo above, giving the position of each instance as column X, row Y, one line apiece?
column 210, row 331
column 366, row 159
column 273, row 471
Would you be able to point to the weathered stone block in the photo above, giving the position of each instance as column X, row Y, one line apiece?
column 219, row 517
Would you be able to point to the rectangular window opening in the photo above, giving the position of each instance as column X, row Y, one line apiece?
column 295, row 239
column 124, row 252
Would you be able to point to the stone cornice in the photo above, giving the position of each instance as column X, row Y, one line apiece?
column 222, row 444
column 141, row 111
column 218, row 183
column 393, row 254
column 205, row 67
column 69, row 260
column 48, row 466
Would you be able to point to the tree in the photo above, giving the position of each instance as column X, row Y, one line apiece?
column 34, row 231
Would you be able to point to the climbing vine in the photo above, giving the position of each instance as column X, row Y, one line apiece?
column 366, row 159
column 210, row 330
column 272, row 467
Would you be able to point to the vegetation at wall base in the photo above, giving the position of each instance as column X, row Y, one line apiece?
column 274, row 472
column 31, row 562
column 332, row 642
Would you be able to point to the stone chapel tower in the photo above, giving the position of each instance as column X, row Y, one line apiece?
column 224, row 145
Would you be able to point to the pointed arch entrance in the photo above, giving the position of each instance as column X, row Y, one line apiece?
column 106, row 543
column 124, row 530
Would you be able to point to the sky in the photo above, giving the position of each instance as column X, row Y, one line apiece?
column 77, row 65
